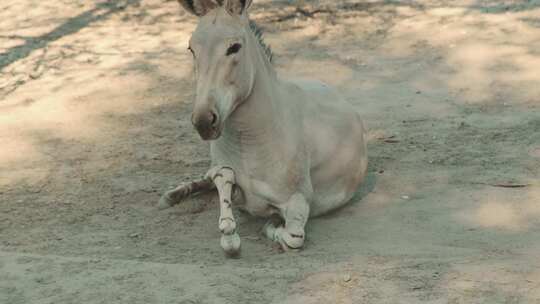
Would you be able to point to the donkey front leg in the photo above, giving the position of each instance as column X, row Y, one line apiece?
column 292, row 235
column 224, row 179
column 181, row 192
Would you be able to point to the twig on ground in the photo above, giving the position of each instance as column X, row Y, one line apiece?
column 504, row 185
column 415, row 120
column 390, row 139
column 303, row 12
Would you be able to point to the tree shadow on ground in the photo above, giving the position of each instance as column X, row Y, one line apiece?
column 101, row 11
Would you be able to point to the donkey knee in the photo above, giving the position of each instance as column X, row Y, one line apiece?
column 227, row 225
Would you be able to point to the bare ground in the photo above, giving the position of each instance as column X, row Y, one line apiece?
column 94, row 125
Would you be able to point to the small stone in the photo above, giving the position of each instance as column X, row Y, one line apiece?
column 347, row 278
column 134, row 235
column 35, row 75
column 405, row 197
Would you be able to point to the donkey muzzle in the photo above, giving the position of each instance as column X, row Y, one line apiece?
column 206, row 124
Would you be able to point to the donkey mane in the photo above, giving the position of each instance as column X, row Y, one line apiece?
column 257, row 31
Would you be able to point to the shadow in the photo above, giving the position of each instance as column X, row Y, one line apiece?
column 504, row 7
column 24, row 103
column 367, row 187
column 533, row 22
column 99, row 12
column 316, row 10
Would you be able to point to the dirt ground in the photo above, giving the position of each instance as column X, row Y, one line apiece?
column 95, row 100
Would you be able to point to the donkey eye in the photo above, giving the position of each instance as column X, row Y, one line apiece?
column 233, row 49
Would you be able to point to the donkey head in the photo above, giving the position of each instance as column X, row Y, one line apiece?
column 224, row 73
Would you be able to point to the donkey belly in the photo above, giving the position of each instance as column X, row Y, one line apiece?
column 338, row 173
column 257, row 205
column 254, row 201
column 334, row 190
column 338, row 154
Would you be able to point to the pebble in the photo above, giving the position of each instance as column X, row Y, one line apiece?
column 347, row 278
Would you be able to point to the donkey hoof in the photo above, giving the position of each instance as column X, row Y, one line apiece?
column 165, row 202
column 231, row 244
column 292, row 242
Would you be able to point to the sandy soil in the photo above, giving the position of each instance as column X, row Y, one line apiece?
column 94, row 125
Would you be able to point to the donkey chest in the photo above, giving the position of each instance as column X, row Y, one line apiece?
column 266, row 181
column 261, row 197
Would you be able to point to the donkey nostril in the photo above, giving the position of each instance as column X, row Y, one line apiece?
column 214, row 119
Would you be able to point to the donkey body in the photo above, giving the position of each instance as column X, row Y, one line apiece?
column 285, row 149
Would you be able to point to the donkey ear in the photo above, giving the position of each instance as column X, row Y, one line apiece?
column 237, row 7
column 199, row 7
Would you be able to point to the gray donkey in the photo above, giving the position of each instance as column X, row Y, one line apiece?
column 280, row 149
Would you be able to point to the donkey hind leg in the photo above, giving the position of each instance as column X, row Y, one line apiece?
column 175, row 196
column 224, row 179
column 291, row 236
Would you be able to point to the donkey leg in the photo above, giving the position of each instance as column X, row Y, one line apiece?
column 291, row 235
column 224, row 179
column 175, row 196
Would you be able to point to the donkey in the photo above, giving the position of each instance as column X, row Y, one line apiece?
column 281, row 149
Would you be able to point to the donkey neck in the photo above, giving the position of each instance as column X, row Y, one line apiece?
column 259, row 119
